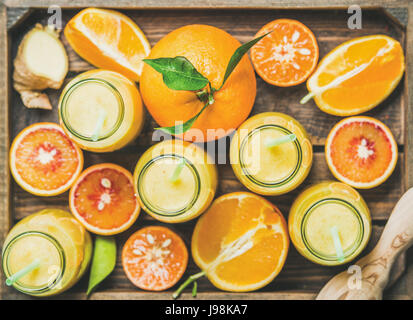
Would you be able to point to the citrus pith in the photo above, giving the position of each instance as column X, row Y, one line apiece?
column 248, row 246
column 357, row 75
column 109, row 40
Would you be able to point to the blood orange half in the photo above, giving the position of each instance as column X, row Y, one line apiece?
column 44, row 161
column 103, row 199
column 154, row 258
column 361, row 151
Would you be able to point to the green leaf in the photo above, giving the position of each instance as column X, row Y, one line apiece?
column 103, row 261
column 184, row 127
column 178, row 73
column 237, row 56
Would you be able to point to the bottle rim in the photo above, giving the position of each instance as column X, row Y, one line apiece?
column 34, row 290
column 264, row 184
column 157, row 210
column 346, row 253
column 64, row 112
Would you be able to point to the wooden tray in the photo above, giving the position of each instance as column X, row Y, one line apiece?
column 300, row 279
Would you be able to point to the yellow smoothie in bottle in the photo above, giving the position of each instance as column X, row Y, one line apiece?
column 59, row 243
column 101, row 110
column 329, row 223
column 175, row 181
column 265, row 166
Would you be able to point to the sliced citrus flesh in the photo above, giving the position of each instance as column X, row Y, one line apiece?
column 288, row 55
column 241, row 242
column 109, row 40
column 357, row 75
column 154, row 258
column 44, row 161
column 103, row 199
column 361, row 151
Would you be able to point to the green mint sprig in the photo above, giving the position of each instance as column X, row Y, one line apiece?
column 180, row 74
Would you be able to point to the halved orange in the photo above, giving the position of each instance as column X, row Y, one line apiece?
column 154, row 258
column 357, row 75
column 44, row 161
column 241, row 242
column 103, row 199
column 361, row 151
column 109, row 40
column 288, row 55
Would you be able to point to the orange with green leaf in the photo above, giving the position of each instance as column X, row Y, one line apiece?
column 198, row 77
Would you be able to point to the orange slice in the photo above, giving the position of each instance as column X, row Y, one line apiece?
column 241, row 242
column 109, row 40
column 357, row 75
column 361, row 151
column 288, row 55
column 44, row 161
column 154, row 258
column 103, row 199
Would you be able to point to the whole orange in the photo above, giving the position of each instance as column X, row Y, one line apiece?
column 209, row 49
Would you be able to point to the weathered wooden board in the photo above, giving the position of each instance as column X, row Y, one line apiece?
column 300, row 279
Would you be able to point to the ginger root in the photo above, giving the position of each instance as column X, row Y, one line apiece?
column 41, row 63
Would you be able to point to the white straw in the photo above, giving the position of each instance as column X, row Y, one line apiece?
column 99, row 125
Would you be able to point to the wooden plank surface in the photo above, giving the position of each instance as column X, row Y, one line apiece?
column 330, row 28
column 5, row 220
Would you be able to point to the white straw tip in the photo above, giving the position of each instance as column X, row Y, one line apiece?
column 307, row 98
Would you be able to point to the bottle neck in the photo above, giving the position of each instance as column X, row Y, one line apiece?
column 145, row 177
column 248, row 150
column 22, row 250
column 351, row 237
column 103, row 97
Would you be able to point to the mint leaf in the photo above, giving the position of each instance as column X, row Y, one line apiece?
column 237, row 56
column 178, row 73
column 103, row 261
column 184, row 127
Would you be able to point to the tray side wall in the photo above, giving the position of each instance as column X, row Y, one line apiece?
column 5, row 214
column 409, row 107
column 409, row 134
column 206, row 4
